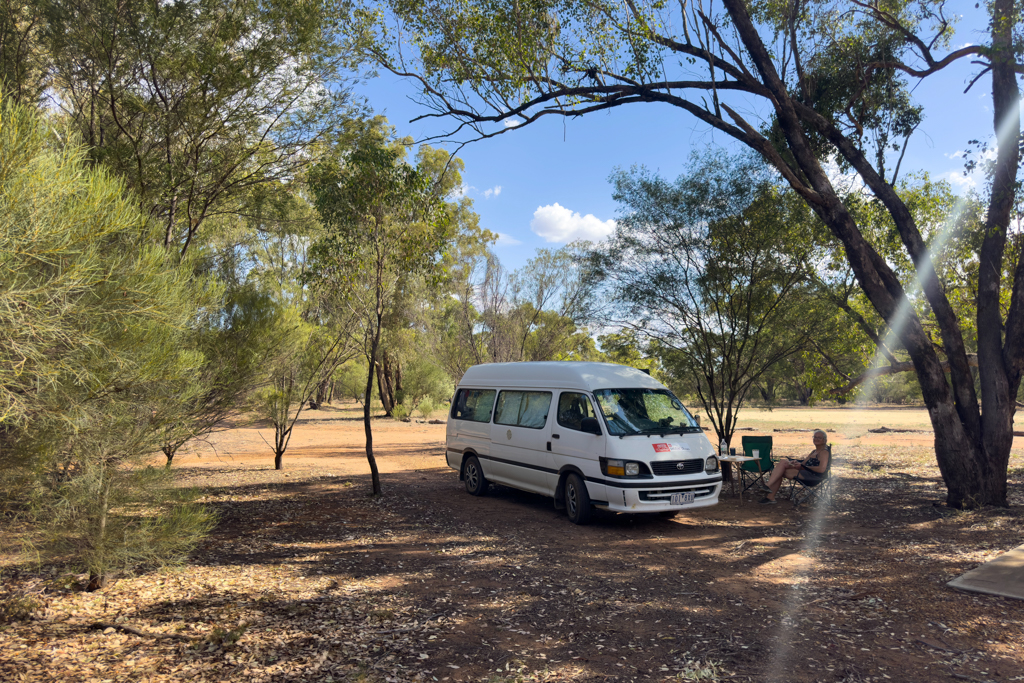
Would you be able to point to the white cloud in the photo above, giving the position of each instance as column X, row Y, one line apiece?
column 460, row 191
column 511, row 123
column 507, row 240
column 555, row 223
column 959, row 181
column 955, row 155
column 492, row 192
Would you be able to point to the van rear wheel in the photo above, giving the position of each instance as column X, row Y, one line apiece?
column 577, row 500
column 473, row 475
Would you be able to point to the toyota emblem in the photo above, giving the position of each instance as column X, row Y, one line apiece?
column 680, row 465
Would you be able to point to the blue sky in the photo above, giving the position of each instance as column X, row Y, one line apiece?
column 547, row 183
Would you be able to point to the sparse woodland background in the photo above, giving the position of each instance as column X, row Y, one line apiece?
column 201, row 222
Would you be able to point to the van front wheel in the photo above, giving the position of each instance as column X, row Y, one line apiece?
column 473, row 475
column 577, row 500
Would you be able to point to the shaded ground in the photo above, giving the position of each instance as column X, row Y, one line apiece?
column 306, row 578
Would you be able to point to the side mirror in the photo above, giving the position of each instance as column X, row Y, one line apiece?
column 590, row 425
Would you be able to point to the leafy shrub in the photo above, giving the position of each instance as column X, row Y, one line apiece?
column 227, row 636
column 350, row 381
column 17, row 608
column 899, row 389
column 422, row 379
column 426, row 407
column 399, row 412
column 95, row 355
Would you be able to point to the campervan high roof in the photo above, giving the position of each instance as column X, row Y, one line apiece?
column 558, row 375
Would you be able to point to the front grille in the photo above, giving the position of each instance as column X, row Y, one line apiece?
column 667, row 468
column 662, row 495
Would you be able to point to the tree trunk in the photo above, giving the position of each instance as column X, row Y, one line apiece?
column 384, row 386
column 280, row 443
column 399, row 391
column 169, row 451
column 374, row 474
column 323, row 392
column 98, row 574
column 971, row 440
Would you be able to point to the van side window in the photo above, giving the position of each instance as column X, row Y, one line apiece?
column 572, row 408
column 473, row 405
column 523, row 408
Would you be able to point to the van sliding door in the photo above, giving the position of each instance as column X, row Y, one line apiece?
column 519, row 437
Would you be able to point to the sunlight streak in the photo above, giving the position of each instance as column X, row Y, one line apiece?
column 789, row 620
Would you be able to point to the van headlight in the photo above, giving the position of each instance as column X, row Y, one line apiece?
column 711, row 464
column 622, row 468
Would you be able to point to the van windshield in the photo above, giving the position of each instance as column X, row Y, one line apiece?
column 644, row 411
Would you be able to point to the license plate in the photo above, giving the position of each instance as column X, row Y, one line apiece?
column 682, row 498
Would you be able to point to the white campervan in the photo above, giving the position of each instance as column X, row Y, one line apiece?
column 587, row 434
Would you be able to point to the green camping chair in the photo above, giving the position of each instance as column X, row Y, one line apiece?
column 802, row 493
column 754, row 473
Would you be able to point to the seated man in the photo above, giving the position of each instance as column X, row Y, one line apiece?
column 810, row 471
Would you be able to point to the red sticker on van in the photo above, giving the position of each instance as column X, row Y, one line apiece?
column 662, row 448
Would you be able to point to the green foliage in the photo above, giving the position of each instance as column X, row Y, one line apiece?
column 539, row 312
column 236, row 341
column 115, row 516
column 382, row 217
column 805, row 86
column 193, row 103
column 626, row 348
column 350, row 380
column 713, row 268
column 900, row 389
column 307, row 355
column 17, row 607
column 384, row 225
column 425, row 408
column 94, row 323
column 422, row 380
column 22, row 70
column 399, row 412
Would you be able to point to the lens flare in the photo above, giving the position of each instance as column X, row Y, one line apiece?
column 814, row 526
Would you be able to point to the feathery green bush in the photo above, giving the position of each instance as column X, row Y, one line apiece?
column 92, row 358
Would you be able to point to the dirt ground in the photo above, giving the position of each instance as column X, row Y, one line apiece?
column 307, row 578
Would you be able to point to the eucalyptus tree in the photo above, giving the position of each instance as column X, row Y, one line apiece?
column 801, row 83
column 537, row 312
column 194, row 102
column 713, row 269
column 383, row 222
column 411, row 334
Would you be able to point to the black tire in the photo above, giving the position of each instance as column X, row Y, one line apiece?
column 577, row 500
column 473, row 476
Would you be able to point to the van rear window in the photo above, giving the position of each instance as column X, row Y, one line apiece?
column 523, row 409
column 473, row 405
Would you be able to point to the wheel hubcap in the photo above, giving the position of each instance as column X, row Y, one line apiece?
column 570, row 498
column 471, row 476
